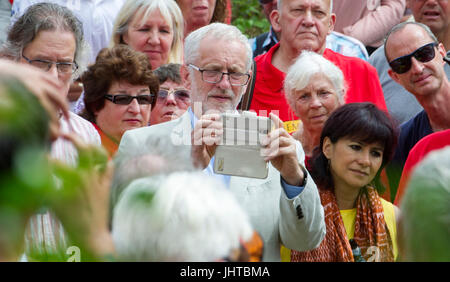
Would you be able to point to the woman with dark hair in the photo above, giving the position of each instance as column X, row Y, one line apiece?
column 120, row 90
column 357, row 141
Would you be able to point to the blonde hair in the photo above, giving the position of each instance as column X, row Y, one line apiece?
column 169, row 10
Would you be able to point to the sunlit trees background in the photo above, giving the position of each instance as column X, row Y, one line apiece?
column 249, row 18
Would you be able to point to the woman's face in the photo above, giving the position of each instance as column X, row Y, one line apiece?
column 353, row 164
column 172, row 104
column 114, row 119
column 197, row 13
column 315, row 103
column 152, row 36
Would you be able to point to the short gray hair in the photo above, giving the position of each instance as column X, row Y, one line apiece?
column 46, row 17
column 425, row 222
column 401, row 26
column 219, row 31
column 182, row 217
column 308, row 64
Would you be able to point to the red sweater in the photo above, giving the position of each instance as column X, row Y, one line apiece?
column 362, row 81
column 427, row 144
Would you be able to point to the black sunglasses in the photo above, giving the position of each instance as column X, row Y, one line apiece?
column 180, row 94
column 424, row 54
column 123, row 99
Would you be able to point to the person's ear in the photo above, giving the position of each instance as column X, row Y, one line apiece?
column 394, row 76
column 185, row 76
column 441, row 50
column 331, row 23
column 125, row 38
column 327, row 147
column 275, row 20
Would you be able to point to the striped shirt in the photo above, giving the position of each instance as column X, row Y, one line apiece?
column 45, row 234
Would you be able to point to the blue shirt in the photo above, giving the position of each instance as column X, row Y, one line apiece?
column 346, row 45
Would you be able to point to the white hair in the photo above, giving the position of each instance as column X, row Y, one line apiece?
column 219, row 31
column 155, row 156
column 184, row 217
column 307, row 65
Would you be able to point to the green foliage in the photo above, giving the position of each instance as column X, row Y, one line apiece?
column 249, row 17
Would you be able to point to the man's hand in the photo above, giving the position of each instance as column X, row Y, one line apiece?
column 205, row 137
column 280, row 149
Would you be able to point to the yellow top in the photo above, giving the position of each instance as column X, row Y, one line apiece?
column 349, row 219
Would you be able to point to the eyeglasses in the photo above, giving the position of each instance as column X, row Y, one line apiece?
column 62, row 67
column 424, row 54
column 212, row 76
column 181, row 95
column 123, row 99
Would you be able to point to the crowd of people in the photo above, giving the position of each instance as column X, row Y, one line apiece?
column 110, row 124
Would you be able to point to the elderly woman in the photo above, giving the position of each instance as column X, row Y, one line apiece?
column 49, row 37
column 173, row 98
column 153, row 27
column 314, row 88
column 120, row 90
column 200, row 13
column 357, row 141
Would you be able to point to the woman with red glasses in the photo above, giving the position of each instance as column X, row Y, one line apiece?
column 120, row 89
column 173, row 97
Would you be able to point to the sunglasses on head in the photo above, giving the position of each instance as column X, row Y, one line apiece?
column 123, row 99
column 180, row 94
column 424, row 54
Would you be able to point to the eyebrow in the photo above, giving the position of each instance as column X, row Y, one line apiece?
column 125, row 91
column 43, row 57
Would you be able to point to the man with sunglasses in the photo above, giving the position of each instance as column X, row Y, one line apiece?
column 416, row 62
column 284, row 208
column 173, row 97
column 435, row 14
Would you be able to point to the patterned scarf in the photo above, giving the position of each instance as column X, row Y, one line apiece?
column 371, row 233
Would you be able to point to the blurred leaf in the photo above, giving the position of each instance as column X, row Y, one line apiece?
column 249, row 18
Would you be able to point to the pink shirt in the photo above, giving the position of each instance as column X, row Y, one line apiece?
column 367, row 20
column 45, row 233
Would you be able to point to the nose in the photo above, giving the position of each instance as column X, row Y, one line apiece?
column 416, row 66
column 308, row 19
column 431, row 2
column 133, row 107
column 225, row 82
column 170, row 99
column 153, row 38
column 53, row 71
column 364, row 158
column 315, row 102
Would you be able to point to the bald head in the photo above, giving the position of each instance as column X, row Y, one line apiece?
column 413, row 29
